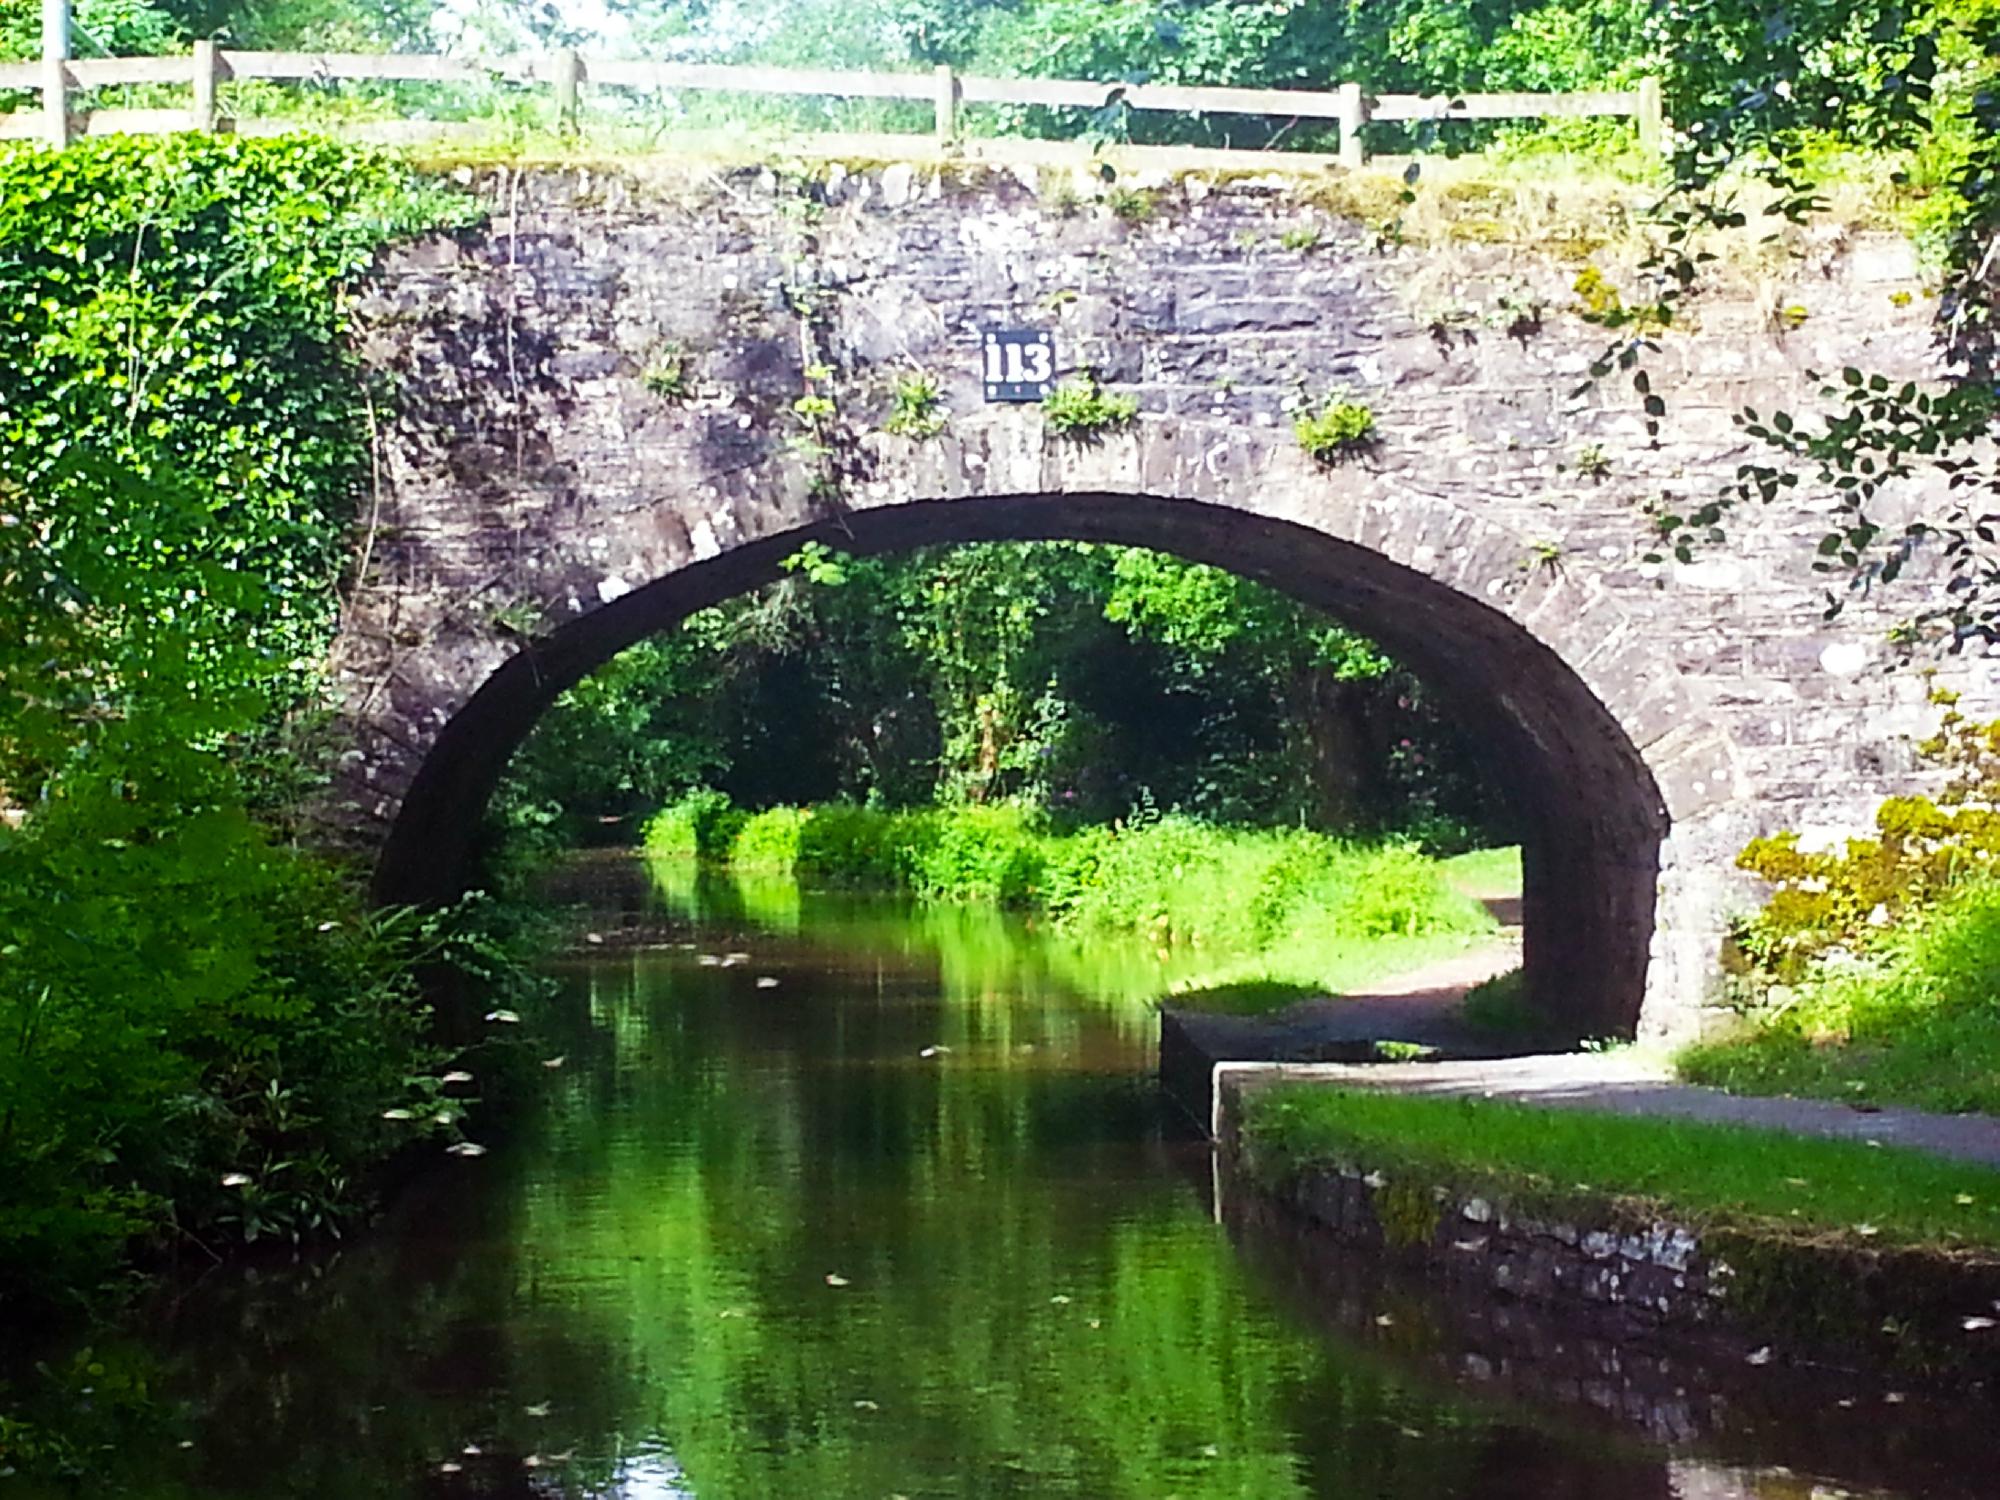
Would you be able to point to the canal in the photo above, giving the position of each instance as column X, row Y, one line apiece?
column 832, row 1198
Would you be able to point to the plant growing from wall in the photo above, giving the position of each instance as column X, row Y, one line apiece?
column 918, row 409
column 667, row 374
column 1132, row 205
column 1336, row 429
column 816, row 413
column 1081, row 408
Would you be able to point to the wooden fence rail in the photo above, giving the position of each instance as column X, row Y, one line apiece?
column 564, row 73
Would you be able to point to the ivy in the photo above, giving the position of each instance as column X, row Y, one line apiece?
column 182, row 430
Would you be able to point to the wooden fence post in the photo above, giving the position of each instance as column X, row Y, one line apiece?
column 207, row 71
column 1353, row 115
column 55, row 71
column 1652, row 123
column 567, row 76
column 947, row 106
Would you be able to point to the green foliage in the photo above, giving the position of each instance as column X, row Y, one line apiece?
column 184, row 432
column 206, row 1032
column 1081, row 408
column 1915, row 1021
column 1133, row 205
column 1849, row 897
column 1080, row 679
column 769, row 840
column 1336, row 429
column 1500, row 1005
column 1873, row 971
column 701, row 825
column 203, row 1029
column 919, row 410
column 1763, row 1181
column 667, row 375
column 1270, row 912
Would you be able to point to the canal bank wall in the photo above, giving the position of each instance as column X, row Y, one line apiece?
column 1620, row 1271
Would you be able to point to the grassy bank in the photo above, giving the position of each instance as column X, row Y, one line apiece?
column 1273, row 914
column 1914, row 1021
column 1706, row 1175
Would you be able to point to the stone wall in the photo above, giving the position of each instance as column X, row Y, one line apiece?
column 541, row 505
column 1622, row 1273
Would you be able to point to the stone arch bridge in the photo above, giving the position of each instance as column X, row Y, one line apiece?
column 593, row 435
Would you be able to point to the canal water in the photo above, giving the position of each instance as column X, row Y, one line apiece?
column 834, row 1199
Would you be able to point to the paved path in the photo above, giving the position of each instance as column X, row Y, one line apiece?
column 1629, row 1083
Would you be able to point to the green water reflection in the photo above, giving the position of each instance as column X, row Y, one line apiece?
column 904, row 1222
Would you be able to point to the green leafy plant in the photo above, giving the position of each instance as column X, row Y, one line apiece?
column 1336, row 429
column 1300, row 237
column 1133, row 205
column 1081, row 408
column 918, row 409
column 1593, row 463
column 667, row 374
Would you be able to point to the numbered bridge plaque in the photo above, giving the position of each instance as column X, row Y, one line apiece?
column 1020, row 364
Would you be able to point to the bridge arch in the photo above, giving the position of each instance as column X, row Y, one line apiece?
column 1563, row 720
column 541, row 498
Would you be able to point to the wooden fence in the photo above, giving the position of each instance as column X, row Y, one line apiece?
column 57, row 75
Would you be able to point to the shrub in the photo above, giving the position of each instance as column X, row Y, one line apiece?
column 769, row 840
column 1081, row 408
column 1850, row 897
column 1915, row 1022
column 1337, row 429
column 206, row 1031
column 702, row 825
column 919, row 410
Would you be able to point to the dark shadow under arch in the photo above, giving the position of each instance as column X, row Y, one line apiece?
column 1592, row 816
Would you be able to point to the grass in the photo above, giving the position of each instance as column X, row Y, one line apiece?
column 1917, row 1023
column 1703, row 1175
column 1485, row 874
column 1254, row 919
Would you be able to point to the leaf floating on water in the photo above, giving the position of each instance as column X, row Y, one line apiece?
column 708, row 960
column 1376, row 1180
column 1097, row 1322
column 1894, row 1398
column 834, row 1278
column 864, row 1404
column 472, row 1450
column 593, row 937
column 1409, row 1432
column 1866, row 1231
column 532, row 1461
column 1963, row 1199
column 939, row 1050
column 503, row 1017
column 465, row 1148
column 766, row 982
column 557, row 1061
column 1974, row 1325
column 1758, row 1356
column 236, row 1179
column 1798, row 1182
column 1383, row 1320
column 539, row 1409
column 457, row 1075
column 397, row 1114
column 1210, row 1450
column 1060, row 1299
column 448, row 1467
